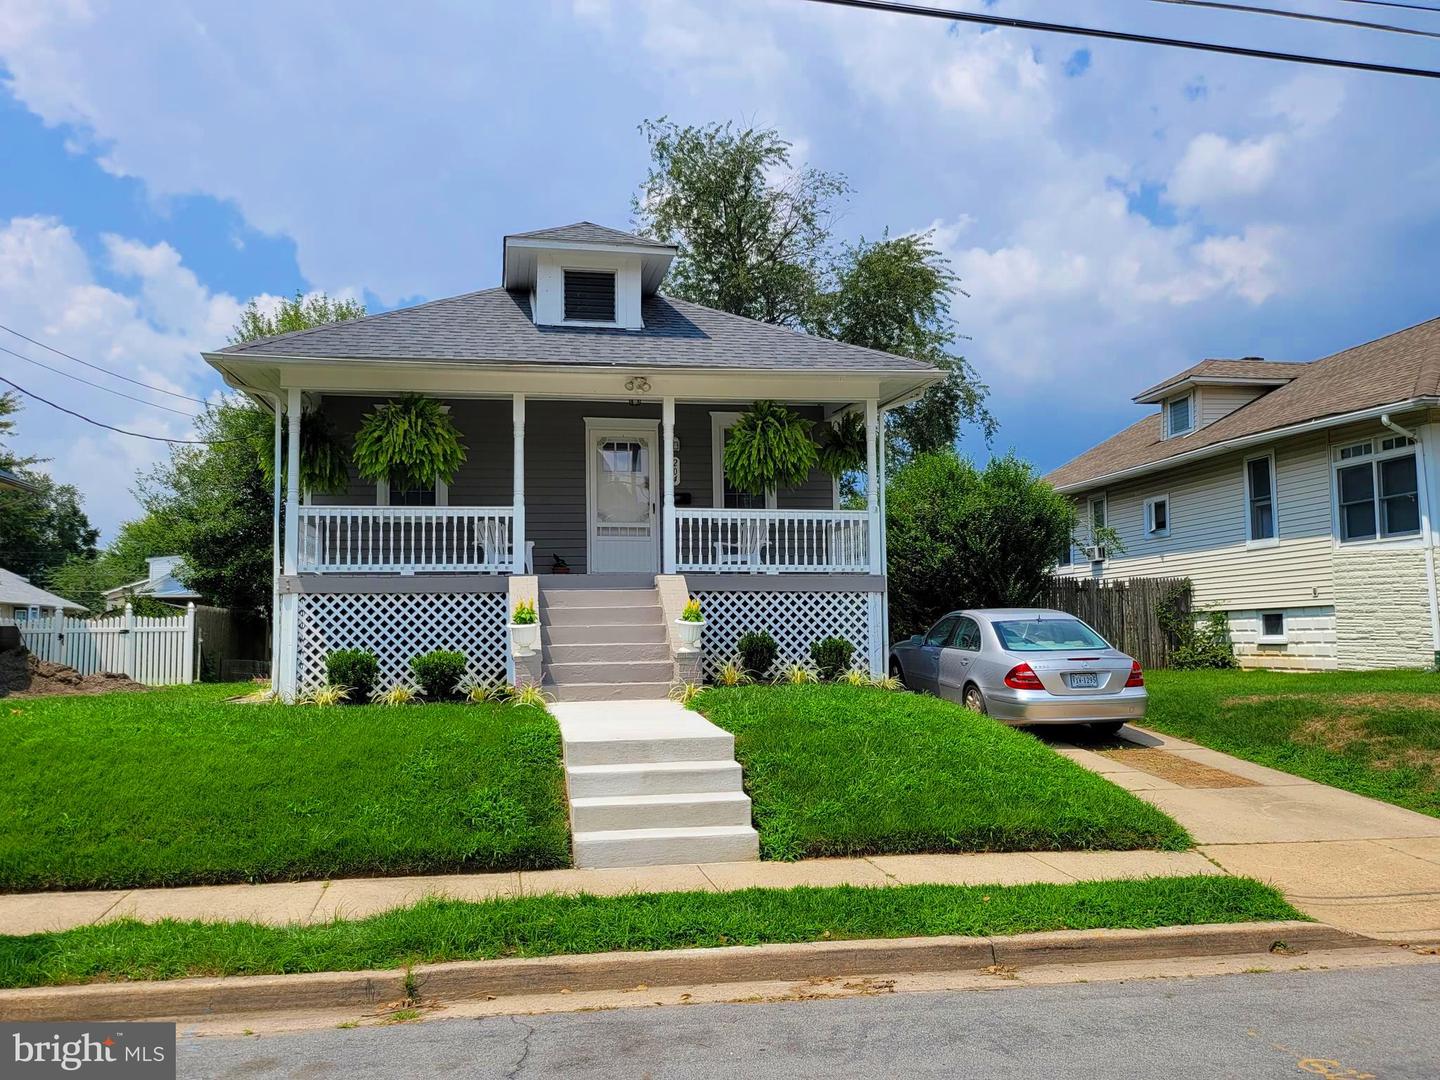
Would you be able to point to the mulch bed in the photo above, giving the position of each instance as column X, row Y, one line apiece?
column 22, row 676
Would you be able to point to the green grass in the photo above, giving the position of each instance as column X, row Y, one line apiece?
column 178, row 786
column 842, row 770
column 1372, row 732
column 440, row 930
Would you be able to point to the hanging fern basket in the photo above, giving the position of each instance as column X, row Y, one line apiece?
column 769, row 448
column 842, row 445
column 324, row 469
column 410, row 441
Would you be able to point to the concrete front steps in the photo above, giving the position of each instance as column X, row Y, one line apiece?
column 650, row 784
column 604, row 644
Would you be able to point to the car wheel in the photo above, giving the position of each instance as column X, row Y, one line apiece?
column 1107, row 727
column 973, row 699
column 896, row 671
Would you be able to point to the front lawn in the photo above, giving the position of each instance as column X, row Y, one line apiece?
column 440, row 930
column 1372, row 732
column 843, row 770
column 179, row 787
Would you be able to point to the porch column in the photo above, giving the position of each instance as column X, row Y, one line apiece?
column 872, row 484
column 293, row 409
column 667, row 517
column 517, row 498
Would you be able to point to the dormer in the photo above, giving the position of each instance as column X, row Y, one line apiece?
column 1212, row 390
column 585, row 275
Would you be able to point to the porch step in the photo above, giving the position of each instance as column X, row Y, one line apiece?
column 599, row 598
column 619, row 691
column 566, row 615
column 619, row 744
column 610, row 671
column 603, row 634
column 608, row 813
column 653, row 778
column 664, row 847
column 607, row 652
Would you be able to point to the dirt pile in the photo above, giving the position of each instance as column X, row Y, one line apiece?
column 25, row 676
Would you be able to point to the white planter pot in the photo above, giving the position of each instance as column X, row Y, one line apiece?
column 689, row 633
column 525, row 636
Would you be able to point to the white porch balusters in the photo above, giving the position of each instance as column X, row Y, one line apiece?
column 517, row 525
column 872, row 484
column 668, row 537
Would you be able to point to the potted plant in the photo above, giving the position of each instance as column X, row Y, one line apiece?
column 409, row 441
column 690, row 624
column 525, row 627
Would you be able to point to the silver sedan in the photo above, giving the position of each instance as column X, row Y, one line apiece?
column 1024, row 666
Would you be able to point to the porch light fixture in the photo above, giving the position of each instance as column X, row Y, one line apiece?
column 638, row 385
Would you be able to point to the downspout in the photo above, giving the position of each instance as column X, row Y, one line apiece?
column 1426, row 531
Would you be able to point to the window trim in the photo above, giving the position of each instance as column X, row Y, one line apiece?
column 382, row 493
column 1151, row 533
column 1190, row 413
column 1274, row 538
column 1373, row 458
column 720, row 422
column 615, row 277
column 1283, row 638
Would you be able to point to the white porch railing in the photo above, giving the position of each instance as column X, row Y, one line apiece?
column 773, row 541
column 405, row 539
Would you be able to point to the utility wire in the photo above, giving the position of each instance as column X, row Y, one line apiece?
column 951, row 15
column 111, row 427
column 97, row 367
column 1391, row 4
column 97, row 386
column 1250, row 9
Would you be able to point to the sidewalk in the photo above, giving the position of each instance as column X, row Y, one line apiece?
column 354, row 898
column 1353, row 862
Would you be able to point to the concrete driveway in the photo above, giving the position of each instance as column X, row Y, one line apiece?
column 1352, row 862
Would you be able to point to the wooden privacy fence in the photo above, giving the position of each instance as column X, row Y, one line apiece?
column 153, row 651
column 1125, row 612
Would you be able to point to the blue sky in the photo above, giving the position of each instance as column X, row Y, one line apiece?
column 1116, row 211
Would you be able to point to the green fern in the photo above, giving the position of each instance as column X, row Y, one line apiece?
column 842, row 445
column 769, row 447
column 410, row 442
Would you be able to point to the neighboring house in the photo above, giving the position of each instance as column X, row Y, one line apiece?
column 21, row 601
column 595, row 411
column 160, row 583
column 1297, row 497
column 10, row 482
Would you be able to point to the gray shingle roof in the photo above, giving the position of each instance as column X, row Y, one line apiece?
column 1396, row 368
column 9, row 480
column 494, row 326
column 587, row 232
column 18, row 591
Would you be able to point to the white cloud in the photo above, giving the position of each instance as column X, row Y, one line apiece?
column 1214, row 168
column 154, row 335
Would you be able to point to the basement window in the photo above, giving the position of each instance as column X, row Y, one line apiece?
column 1272, row 628
column 590, row 296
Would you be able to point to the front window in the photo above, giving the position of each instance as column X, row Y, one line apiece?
column 1377, row 494
column 1260, row 497
column 412, row 496
column 1047, row 635
column 1178, row 418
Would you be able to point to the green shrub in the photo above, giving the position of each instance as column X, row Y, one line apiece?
column 438, row 673
column 1194, row 647
column 758, row 651
column 356, row 668
column 832, row 657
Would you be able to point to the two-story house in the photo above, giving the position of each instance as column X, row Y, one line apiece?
column 1296, row 497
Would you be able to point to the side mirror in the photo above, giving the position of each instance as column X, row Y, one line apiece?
column 916, row 639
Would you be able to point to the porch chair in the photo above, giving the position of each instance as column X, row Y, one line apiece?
column 743, row 544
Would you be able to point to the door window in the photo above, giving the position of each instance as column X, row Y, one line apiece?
column 622, row 487
column 966, row 636
column 940, row 633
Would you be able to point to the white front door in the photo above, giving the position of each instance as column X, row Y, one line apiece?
column 622, row 495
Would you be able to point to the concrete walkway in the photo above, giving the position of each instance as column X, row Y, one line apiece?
column 353, row 898
column 1356, row 863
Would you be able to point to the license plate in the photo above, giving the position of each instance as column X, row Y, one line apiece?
column 1084, row 680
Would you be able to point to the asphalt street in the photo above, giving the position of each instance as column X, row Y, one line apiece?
column 1358, row 1023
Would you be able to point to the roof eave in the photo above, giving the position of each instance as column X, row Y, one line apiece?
column 1242, row 441
column 1157, row 394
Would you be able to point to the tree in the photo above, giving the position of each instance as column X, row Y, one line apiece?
column 755, row 237
column 123, row 560
column 959, row 536
column 40, row 529
column 300, row 313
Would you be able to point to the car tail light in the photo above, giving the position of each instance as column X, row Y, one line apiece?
column 1137, row 677
column 1023, row 677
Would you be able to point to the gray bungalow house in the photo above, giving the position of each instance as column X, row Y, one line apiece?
column 595, row 411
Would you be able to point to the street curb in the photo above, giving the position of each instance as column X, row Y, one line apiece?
column 678, row 967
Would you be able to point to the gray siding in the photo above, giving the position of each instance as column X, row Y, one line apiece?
column 555, row 463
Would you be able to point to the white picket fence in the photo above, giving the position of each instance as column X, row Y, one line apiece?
column 153, row 651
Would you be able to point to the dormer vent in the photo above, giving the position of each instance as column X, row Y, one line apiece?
column 590, row 296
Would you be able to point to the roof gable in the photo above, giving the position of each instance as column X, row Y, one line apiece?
column 587, row 232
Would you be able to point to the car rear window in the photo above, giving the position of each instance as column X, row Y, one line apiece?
column 1047, row 635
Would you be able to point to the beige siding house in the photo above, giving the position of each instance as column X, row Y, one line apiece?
column 1296, row 497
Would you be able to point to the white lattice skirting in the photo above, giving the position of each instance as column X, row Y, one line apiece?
column 796, row 620
column 397, row 626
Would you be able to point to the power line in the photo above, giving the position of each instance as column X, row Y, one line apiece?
column 97, row 386
column 1250, row 9
column 97, row 367
column 1392, row 4
column 110, row 427
column 1124, row 35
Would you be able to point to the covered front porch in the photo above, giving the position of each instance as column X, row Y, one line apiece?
column 581, row 486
